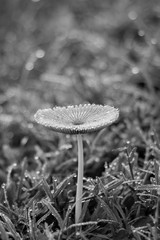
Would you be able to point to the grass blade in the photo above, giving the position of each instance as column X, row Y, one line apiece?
column 4, row 235
column 54, row 212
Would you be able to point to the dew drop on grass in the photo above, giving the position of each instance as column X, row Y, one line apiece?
column 135, row 70
column 132, row 15
column 14, row 165
column 40, row 53
column 3, row 185
column 77, row 234
column 141, row 33
column 36, row 157
column 29, row 66
column 24, row 141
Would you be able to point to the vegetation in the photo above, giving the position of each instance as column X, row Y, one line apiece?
column 59, row 53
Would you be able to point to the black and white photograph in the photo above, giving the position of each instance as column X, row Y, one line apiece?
column 79, row 119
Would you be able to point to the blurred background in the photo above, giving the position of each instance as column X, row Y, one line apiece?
column 63, row 47
column 69, row 52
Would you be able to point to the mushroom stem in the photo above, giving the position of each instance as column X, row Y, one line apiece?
column 80, row 179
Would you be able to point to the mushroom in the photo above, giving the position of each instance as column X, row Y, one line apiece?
column 78, row 119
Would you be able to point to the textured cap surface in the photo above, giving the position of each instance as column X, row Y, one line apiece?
column 78, row 118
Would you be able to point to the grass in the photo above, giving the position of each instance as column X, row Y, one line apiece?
column 62, row 53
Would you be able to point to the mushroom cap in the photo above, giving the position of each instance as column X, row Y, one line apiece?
column 77, row 119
